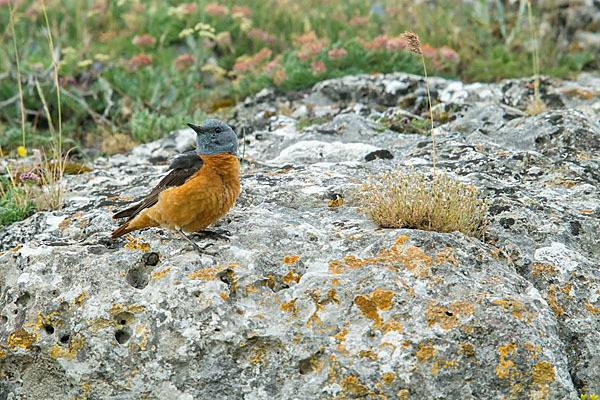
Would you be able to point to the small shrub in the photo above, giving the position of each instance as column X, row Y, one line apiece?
column 437, row 203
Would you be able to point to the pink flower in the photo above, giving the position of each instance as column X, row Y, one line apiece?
column 141, row 60
column 356, row 21
column 241, row 10
column 247, row 64
column 336, row 54
column 188, row 8
column 215, row 9
column 279, row 77
column 184, row 61
column 318, row 67
column 428, row 51
column 396, row 43
column 447, row 53
column 259, row 34
column 312, row 49
column 271, row 66
column 143, row 40
column 378, row 43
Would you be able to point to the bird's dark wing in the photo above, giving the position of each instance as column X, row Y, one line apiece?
column 182, row 168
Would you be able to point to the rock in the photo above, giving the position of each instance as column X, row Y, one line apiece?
column 308, row 298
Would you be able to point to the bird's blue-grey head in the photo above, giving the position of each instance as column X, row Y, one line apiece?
column 215, row 137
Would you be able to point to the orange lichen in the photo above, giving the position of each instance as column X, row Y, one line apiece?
column 341, row 336
column 79, row 299
column 543, row 373
column 160, row 274
column 551, row 299
column 65, row 223
column 207, row 273
column 331, row 294
column 391, row 325
column 68, row 353
column 289, row 306
column 447, row 317
column 21, row 338
column 377, row 300
column 506, row 368
column 388, row 378
column 291, row 276
column 351, row 385
column 136, row 244
column 290, row 260
column 591, row 308
column 444, row 256
column 402, row 253
column 426, row 352
column 542, row 268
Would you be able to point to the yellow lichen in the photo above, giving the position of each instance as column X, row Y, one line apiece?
column 289, row 306
column 447, row 317
column 160, row 274
column 79, row 299
column 208, row 274
column 21, row 338
column 388, row 378
column 426, row 352
column 290, row 260
column 351, row 385
column 68, row 353
column 291, row 276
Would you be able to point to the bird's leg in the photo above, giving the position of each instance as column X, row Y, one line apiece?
column 192, row 243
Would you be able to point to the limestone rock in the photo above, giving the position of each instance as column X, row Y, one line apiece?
column 308, row 298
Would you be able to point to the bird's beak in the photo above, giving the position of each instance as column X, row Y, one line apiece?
column 197, row 128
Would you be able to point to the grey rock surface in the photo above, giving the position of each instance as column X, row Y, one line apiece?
column 310, row 300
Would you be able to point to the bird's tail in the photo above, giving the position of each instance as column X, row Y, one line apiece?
column 122, row 230
column 142, row 220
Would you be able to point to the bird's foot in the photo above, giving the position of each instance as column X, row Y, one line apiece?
column 215, row 235
column 194, row 245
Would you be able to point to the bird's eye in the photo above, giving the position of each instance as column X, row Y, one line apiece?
column 218, row 130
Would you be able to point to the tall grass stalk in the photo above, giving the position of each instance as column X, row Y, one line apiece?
column 23, row 152
column 414, row 46
column 52, row 173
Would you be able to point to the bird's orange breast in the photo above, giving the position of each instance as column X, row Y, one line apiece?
column 202, row 199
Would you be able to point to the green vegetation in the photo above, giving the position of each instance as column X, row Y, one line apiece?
column 437, row 203
column 122, row 61
column 14, row 204
column 110, row 74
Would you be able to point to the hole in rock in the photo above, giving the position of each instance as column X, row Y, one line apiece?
column 65, row 338
column 49, row 329
column 23, row 299
column 122, row 336
column 137, row 278
column 151, row 259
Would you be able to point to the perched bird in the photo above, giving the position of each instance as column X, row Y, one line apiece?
column 201, row 187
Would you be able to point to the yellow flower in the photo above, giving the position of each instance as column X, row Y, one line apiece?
column 245, row 25
column 22, row 151
column 85, row 63
column 207, row 34
column 215, row 70
column 69, row 51
column 101, row 57
column 203, row 27
column 186, row 32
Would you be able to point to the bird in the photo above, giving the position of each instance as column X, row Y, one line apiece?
column 201, row 187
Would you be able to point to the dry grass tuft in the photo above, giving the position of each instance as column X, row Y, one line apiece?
column 437, row 203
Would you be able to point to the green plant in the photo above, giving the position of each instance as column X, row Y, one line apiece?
column 15, row 203
column 308, row 121
column 436, row 203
